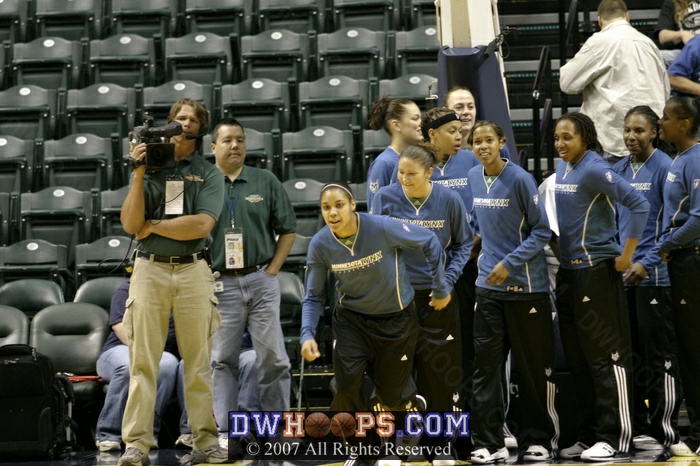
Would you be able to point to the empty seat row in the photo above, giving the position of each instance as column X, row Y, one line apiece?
column 30, row 112
column 128, row 59
column 25, row 20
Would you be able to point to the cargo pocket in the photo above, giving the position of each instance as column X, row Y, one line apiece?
column 215, row 316
column 127, row 320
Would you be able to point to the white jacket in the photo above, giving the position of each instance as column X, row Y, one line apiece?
column 616, row 69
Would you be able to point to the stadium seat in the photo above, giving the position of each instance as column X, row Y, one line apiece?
column 304, row 194
column 337, row 101
column 376, row 15
column 156, row 101
column 261, row 104
column 291, row 298
column 14, row 326
column 100, row 109
column 48, row 62
column 260, row 148
column 107, row 256
column 110, row 210
column 373, row 144
column 82, row 161
column 30, row 295
column 354, row 52
column 201, row 57
column 320, row 152
column 296, row 259
column 73, row 20
column 154, row 17
column 419, row 13
column 414, row 87
column 277, row 54
column 13, row 20
column 99, row 291
column 417, row 51
column 124, row 59
column 60, row 215
column 360, row 194
column 299, row 16
column 72, row 335
column 17, row 164
column 8, row 217
column 221, row 17
column 28, row 112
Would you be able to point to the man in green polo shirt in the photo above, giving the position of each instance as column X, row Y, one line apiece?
column 245, row 252
column 172, row 211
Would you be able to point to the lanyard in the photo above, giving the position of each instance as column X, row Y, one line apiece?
column 231, row 207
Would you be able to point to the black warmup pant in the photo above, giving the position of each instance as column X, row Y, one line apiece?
column 438, row 360
column 655, row 363
column 384, row 347
column 465, row 291
column 525, row 325
column 684, row 270
column 595, row 334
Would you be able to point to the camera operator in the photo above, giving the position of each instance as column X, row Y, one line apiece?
column 171, row 211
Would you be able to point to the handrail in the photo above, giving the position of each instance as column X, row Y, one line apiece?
column 542, row 89
column 568, row 34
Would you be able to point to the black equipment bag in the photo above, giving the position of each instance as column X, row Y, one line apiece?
column 35, row 405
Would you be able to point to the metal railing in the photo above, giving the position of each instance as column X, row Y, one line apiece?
column 542, row 89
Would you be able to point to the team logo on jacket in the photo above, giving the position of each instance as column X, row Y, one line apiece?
column 608, row 176
column 536, row 199
column 195, row 178
column 374, row 186
column 670, row 177
column 254, row 198
column 696, row 183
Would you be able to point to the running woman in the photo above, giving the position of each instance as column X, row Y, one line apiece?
column 679, row 245
column 649, row 290
column 401, row 119
column 375, row 324
column 590, row 292
column 417, row 200
column 512, row 304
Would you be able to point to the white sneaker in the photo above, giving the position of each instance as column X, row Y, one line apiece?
column 537, row 453
column 574, row 451
column 646, row 442
column 108, row 445
column 389, row 461
column 681, row 449
column 482, row 456
column 444, row 460
column 511, row 442
column 601, row 451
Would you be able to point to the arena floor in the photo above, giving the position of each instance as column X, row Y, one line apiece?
column 179, row 457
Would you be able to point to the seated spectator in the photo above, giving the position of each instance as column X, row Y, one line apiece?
column 113, row 367
column 679, row 21
column 684, row 73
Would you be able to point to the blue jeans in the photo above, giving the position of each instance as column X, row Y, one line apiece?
column 251, row 300
column 113, row 367
column 249, row 395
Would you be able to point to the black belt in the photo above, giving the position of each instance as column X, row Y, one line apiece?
column 245, row 270
column 173, row 260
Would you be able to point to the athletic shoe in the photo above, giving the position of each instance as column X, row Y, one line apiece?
column 213, row 454
column 108, row 445
column 134, row 457
column 681, row 449
column 646, row 442
column 574, row 451
column 482, row 456
column 184, row 441
column 511, row 442
column 537, row 453
column 601, row 451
